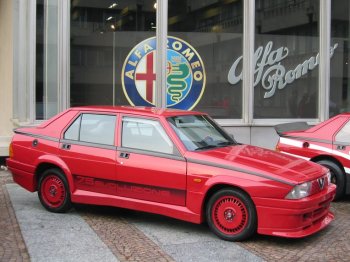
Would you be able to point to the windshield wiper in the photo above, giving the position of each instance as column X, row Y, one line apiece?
column 226, row 143
column 206, row 147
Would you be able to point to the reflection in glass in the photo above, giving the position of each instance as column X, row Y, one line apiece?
column 340, row 71
column 286, row 59
column 102, row 35
column 214, row 30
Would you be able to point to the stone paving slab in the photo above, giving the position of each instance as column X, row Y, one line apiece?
column 189, row 242
column 124, row 239
column 55, row 237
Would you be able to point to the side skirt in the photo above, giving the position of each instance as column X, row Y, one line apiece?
column 178, row 212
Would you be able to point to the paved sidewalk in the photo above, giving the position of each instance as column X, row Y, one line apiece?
column 12, row 246
column 111, row 234
column 55, row 237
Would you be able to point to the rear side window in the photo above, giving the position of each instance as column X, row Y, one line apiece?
column 92, row 128
column 72, row 132
column 343, row 135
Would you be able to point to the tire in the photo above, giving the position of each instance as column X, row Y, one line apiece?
column 231, row 215
column 53, row 191
column 337, row 177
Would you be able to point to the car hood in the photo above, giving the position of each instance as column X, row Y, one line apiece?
column 260, row 161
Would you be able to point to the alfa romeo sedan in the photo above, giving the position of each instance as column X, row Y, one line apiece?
column 175, row 163
column 327, row 143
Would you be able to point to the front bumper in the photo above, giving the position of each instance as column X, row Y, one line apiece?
column 295, row 218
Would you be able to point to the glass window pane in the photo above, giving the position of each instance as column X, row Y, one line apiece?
column 147, row 135
column 72, row 132
column 204, row 40
column 286, row 59
column 97, row 129
column 340, row 69
column 344, row 134
column 104, row 35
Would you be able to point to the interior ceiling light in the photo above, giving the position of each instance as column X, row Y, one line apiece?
column 113, row 5
column 109, row 18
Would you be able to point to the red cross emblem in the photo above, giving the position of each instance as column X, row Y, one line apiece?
column 149, row 76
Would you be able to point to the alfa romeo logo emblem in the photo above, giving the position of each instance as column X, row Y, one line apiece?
column 185, row 74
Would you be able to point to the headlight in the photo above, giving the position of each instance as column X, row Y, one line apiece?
column 300, row 191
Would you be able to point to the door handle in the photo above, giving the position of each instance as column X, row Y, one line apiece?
column 124, row 155
column 66, row 146
column 340, row 147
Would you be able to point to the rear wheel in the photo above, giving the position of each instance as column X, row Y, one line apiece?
column 231, row 215
column 337, row 177
column 53, row 191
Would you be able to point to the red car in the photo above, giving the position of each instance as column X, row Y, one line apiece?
column 175, row 163
column 327, row 143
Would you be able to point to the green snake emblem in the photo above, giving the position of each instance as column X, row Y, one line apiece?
column 176, row 81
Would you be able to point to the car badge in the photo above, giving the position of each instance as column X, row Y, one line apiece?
column 186, row 76
column 321, row 182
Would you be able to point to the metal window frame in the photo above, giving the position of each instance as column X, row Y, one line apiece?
column 248, row 60
column 324, row 66
column 161, row 53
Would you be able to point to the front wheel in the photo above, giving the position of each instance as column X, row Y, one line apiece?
column 53, row 191
column 231, row 215
column 337, row 177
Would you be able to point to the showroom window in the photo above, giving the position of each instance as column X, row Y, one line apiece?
column 339, row 100
column 106, row 52
column 212, row 31
column 286, row 59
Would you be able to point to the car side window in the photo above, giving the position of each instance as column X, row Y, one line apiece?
column 72, row 133
column 146, row 134
column 93, row 128
column 343, row 135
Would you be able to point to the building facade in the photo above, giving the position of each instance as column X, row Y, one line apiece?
column 250, row 64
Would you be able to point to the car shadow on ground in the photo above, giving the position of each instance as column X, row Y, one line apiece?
column 133, row 216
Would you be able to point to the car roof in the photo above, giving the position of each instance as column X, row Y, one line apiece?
column 140, row 110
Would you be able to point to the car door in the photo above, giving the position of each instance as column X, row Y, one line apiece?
column 88, row 148
column 149, row 166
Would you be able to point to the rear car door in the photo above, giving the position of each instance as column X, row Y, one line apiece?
column 149, row 166
column 88, row 148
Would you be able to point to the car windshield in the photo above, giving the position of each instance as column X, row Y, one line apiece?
column 199, row 132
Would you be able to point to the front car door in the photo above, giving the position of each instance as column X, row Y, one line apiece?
column 149, row 166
